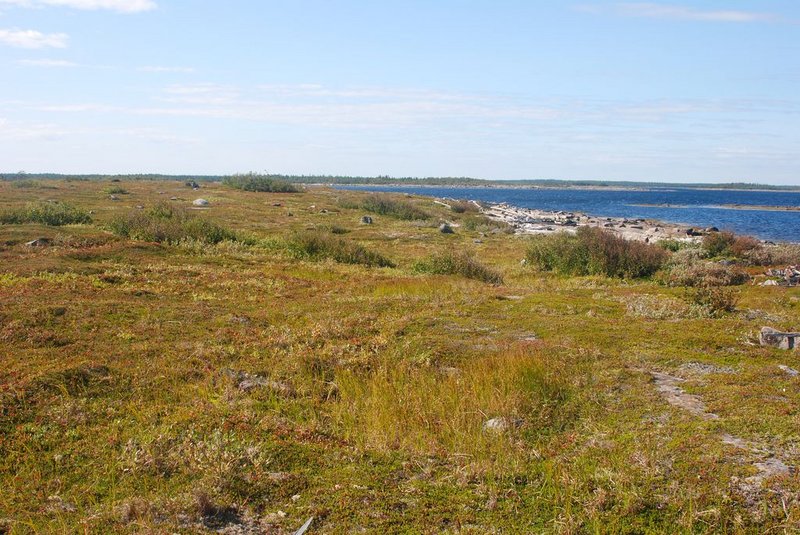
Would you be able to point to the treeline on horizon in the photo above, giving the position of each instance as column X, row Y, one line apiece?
column 403, row 181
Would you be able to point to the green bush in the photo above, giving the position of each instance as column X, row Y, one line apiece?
column 262, row 183
column 718, row 243
column 50, row 213
column 167, row 224
column 717, row 300
column 116, row 190
column 317, row 245
column 461, row 206
column 593, row 251
column 384, row 205
column 463, row 264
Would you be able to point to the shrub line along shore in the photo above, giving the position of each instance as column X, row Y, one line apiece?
column 536, row 221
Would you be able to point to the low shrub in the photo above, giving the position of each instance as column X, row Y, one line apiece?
column 717, row 300
column 594, row 251
column 169, row 224
column 261, row 183
column 463, row 264
column 481, row 223
column 48, row 213
column 317, row 245
column 116, row 190
column 774, row 255
column 384, row 205
column 462, row 206
column 688, row 268
column 718, row 243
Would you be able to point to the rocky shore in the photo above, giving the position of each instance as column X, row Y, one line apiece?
column 533, row 221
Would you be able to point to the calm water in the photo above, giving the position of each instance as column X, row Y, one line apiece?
column 698, row 208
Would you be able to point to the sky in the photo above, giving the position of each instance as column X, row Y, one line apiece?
column 691, row 91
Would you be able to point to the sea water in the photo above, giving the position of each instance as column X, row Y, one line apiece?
column 691, row 207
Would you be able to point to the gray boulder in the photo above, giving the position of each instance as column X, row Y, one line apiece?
column 774, row 338
column 444, row 228
column 366, row 220
column 200, row 202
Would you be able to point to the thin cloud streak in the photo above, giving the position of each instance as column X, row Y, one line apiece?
column 676, row 12
column 120, row 6
column 32, row 39
column 49, row 63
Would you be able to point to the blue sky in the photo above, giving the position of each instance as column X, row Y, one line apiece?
column 503, row 89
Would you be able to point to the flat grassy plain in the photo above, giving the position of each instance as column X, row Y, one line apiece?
column 245, row 386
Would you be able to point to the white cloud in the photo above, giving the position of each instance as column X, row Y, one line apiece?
column 32, row 39
column 55, row 63
column 675, row 12
column 122, row 6
column 158, row 68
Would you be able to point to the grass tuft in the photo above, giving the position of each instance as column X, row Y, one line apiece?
column 317, row 245
column 261, row 183
column 168, row 224
column 384, row 205
column 593, row 251
column 463, row 264
column 51, row 213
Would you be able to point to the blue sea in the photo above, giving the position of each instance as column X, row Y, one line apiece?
column 691, row 207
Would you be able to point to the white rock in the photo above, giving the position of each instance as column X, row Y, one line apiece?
column 200, row 202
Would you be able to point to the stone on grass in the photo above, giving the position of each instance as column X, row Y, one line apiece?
column 366, row 220
column 444, row 228
column 247, row 381
column 39, row 242
column 200, row 202
column 501, row 424
column 775, row 338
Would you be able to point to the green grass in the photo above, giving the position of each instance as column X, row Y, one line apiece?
column 167, row 224
column 260, row 183
column 593, row 251
column 122, row 408
column 317, row 245
column 462, row 264
column 392, row 207
column 50, row 213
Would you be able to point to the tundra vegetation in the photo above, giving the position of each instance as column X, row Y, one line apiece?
column 247, row 366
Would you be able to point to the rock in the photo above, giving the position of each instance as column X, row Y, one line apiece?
column 769, row 282
column 712, row 229
column 173, row 198
column 444, row 228
column 477, row 241
column 243, row 320
column 113, row 197
column 57, row 504
column 200, row 202
column 277, row 204
column 774, row 338
column 501, row 424
column 247, row 381
column 39, row 242
column 192, row 184
column 693, row 232
column 789, row 371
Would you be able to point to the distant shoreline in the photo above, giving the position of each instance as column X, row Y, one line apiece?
column 752, row 207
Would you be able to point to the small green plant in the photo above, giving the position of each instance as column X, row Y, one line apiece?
column 462, row 206
column 384, row 205
column 261, row 183
column 49, row 213
column 463, row 264
column 593, row 251
column 168, row 224
column 116, row 190
column 717, row 300
column 718, row 243
column 317, row 245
